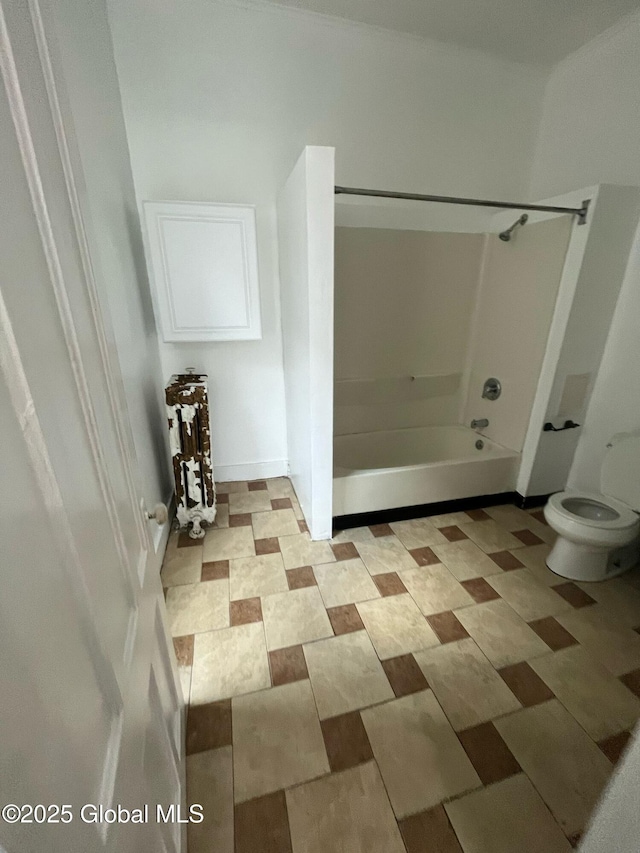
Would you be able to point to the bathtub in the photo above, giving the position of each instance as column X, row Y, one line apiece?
column 421, row 465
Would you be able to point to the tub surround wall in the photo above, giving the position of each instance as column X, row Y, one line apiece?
column 403, row 307
column 515, row 304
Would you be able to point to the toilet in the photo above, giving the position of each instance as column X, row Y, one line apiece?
column 598, row 533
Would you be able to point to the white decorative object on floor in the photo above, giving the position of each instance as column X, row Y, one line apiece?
column 203, row 269
column 190, row 441
column 597, row 533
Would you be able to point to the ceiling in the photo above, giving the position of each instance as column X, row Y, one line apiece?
column 539, row 32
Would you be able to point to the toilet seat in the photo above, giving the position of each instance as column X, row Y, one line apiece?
column 626, row 516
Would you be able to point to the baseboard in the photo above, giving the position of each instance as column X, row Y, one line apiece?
column 531, row 501
column 384, row 516
column 250, row 471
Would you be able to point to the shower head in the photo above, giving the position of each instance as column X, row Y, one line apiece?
column 506, row 235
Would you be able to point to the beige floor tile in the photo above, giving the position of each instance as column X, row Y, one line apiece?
column 418, row 533
column 512, row 518
column 295, row 617
column 196, row 607
column 620, row 599
column 420, row 758
column 503, row 636
column 490, row 536
column 229, row 662
column 243, row 502
column 611, row 643
column 277, row 522
column 222, row 516
column 449, row 519
column 466, row 684
column 465, row 560
column 534, row 557
column 210, row 784
column 354, row 534
column 250, row 577
column 300, row 550
column 346, row 812
column 277, row 740
column 346, row 674
column 229, row 488
column 396, row 626
column 280, row 487
column 228, row 544
column 600, row 703
column 528, row 597
column 385, row 554
column 182, row 565
column 345, row 582
column 297, row 509
column 567, row 768
column 434, row 589
column 508, row 817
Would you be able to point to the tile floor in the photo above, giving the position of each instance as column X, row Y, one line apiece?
column 426, row 686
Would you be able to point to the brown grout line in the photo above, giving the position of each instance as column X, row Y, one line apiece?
column 379, row 530
column 209, row 726
column 245, row 611
column 240, row 519
column 345, row 551
column 631, row 681
column 525, row 684
column 183, row 648
column 447, row 627
column 552, row 633
column 346, row 741
column 506, row 560
column 262, row 823
column 430, row 827
column 488, row 752
column 615, row 745
column 527, row 537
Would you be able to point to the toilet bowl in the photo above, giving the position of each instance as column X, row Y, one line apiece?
column 598, row 532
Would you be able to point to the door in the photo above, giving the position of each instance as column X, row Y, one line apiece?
column 306, row 236
column 91, row 714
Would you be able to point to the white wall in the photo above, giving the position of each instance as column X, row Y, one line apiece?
column 306, row 229
column 590, row 133
column 613, row 219
column 220, row 98
column 109, row 207
column 403, row 307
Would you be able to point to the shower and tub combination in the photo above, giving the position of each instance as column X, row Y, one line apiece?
column 434, row 352
column 439, row 337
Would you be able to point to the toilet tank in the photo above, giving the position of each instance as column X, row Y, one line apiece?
column 620, row 474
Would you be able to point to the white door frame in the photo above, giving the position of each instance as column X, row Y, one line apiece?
column 53, row 189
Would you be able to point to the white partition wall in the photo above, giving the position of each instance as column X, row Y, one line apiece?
column 306, row 237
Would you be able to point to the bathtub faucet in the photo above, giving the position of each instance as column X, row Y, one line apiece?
column 482, row 423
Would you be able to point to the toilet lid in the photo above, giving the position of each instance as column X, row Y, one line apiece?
column 620, row 476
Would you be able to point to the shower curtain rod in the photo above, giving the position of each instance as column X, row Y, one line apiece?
column 580, row 212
